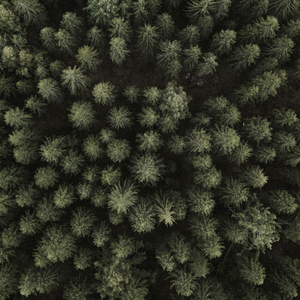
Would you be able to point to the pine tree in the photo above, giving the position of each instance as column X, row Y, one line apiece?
column 72, row 23
column 142, row 217
column 284, row 9
column 208, row 66
column 209, row 178
column 31, row 11
column 189, row 36
column 293, row 158
column 45, row 177
column 223, row 41
column 122, row 197
column 284, row 117
column 82, row 221
column 149, row 141
column 283, row 142
column 191, row 58
column 7, row 87
column 120, row 29
column 29, row 224
column 119, row 118
column 245, row 93
column 264, row 154
column 291, row 29
column 72, row 162
column 11, row 237
column 96, row 38
column 243, row 56
column 75, row 80
column 110, row 175
column 164, row 208
column 225, row 139
column 222, row 10
column 47, row 36
column 165, row 25
column 200, row 201
column 198, row 141
column 132, row 93
column 287, row 288
column 281, row 48
column 148, row 117
column 8, row 280
column 53, row 149
column 57, row 243
column 118, row 50
column 63, row 196
column 46, row 211
column 169, row 52
column 147, row 39
column 282, row 201
column 17, row 118
column 176, row 144
column 165, row 259
column 255, row 177
column 251, row 270
column 140, row 11
column 241, row 153
column 36, row 105
column 65, row 41
column 107, row 135
column 200, row 8
column 50, row 90
column 101, row 234
column 88, row 58
column 82, row 115
column 26, row 154
column 118, row 150
column 104, row 93
column 180, row 248
column 258, row 129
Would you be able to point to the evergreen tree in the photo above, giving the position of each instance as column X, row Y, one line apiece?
column 149, row 141
column 281, row 48
column 293, row 158
column 47, row 36
column 63, row 196
column 241, row 153
column 121, row 29
column 104, row 93
column 17, row 118
column 118, row 50
column 253, row 9
column 191, row 58
column 287, row 288
column 245, row 93
column 77, row 289
column 45, row 177
column 142, row 217
column 176, row 144
column 57, row 243
column 50, row 90
column 282, row 201
column 225, row 139
column 72, row 23
column 201, row 201
column 8, row 280
column 72, row 163
column 165, row 259
column 82, row 222
column 284, row 9
column 292, row 29
column 147, row 39
column 198, row 141
column 118, row 150
column 46, row 211
column 165, row 26
column 36, row 105
column 101, row 235
column 88, row 58
column 284, row 117
column 164, row 208
column 180, row 248
column 169, row 52
column 65, row 41
column 209, row 178
column 189, row 36
column 82, row 115
column 122, row 197
column 283, row 142
column 200, row 8
column 208, row 66
column 255, row 176
column 53, row 149
column 132, row 93
column 29, row 224
column 223, row 41
column 264, row 154
column 148, row 117
column 251, row 270
column 140, row 11
column 119, row 118
column 74, row 80
column 96, row 38
column 110, row 175
column 258, row 129
column 243, row 56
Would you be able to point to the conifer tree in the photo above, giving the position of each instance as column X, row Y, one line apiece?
column 82, row 221
column 74, row 80
column 63, row 196
column 82, row 115
column 201, row 201
column 47, row 36
column 148, row 117
column 140, row 11
column 118, row 50
column 45, row 177
column 284, row 117
column 241, row 153
column 199, row 8
column 164, row 208
column 119, row 118
column 264, row 154
column 50, row 90
column 199, row 141
column 104, row 93
column 72, row 23
column 169, row 52
column 280, row 48
column 147, row 39
column 29, row 224
column 208, row 66
column 88, row 58
column 121, row 29
column 255, row 176
column 209, row 178
column 72, row 162
column 65, row 41
column 292, row 29
column 189, row 36
column 191, row 58
column 101, row 234
column 258, row 129
column 132, row 93
column 283, row 142
column 17, row 118
column 284, row 9
column 223, row 41
column 282, row 201
column 77, row 288
column 165, row 25
column 149, row 141
column 118, row 150
column 36, row 105
column 96, row 38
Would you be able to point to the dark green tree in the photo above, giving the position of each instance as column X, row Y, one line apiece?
column 118, row 50
column 264, row 154
column 255, row 177
column 284, row 9
column 119, row 118
column 280, row 48
column 50, row 90
column 283, row 142
column 165, row 25
column 65, row 41
column 82, row 221
column 120, row 28
column 63, row 196
column 257, row 129
column 17, row 118
column 47, row 36
column 72, row 23
column 200, row 201
column 282, row 201
column 200, row 8
column 223, row 41
column 147, row 39
column 45, row 177
column 72, row 162
column 189, row 36
column 140, row 11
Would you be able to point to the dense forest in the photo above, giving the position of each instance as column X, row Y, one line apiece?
column 149, row 149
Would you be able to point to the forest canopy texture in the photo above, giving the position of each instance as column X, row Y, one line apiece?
column 149, row 149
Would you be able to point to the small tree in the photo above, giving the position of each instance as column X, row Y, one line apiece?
column 132, row 93
column 209, row 178
column 72, row 23
column 241, row 153
column 198, row 141
column 29, row 224
column 282, row 201
column 119, row 118
column 165, row 26
column 200, row 8
column 208, row 65
column 65, row 41
column 284, row 117
column 140, row 12
column 17, row 118
column 88, row 58
column 47, row 36
column 118, row 50
column 64, row 196
column 104, row 93
column 74, row 80
column 72, row 163
column 258, row 129
column 149, row 141
column 53, row 149
column 118, row 150
column 122, row 197
column 96, row 38
column 45, row 177
column 223, row 41
column 189, row 36
column 147, row 39
column 255, row 176
column 101, row 234
column 50, row 90
column 191, row 58
column 82, row 222
column 264, row 154
column 36, row 105
column 200, row 201
column 283, row 9
column 169, row 52
column 121, row 29
column 251, row 270
column 82, row 115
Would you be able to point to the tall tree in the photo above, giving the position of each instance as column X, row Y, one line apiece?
column 118, row 50
column 104, row 93
column 82, row 115
column 119, row 118
column 147, row 39
column 88, row 58
column 65, row 41
column 165, row 25
column 223, row 41
column 121, row 28
column 50, row 90
column 72, row 23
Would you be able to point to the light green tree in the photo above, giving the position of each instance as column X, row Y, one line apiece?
column 104, row 93
column 101, row 234
column 164, row 208
column 118, row 50
column 191, row 58
column 118, row 150
column 96, row 38
column 241, row 153
column 75, row 80
column 258, row 129
column 50, row 90
column 36, row 105
column 119, row 118
column 120, row 28
column 254, row 176
column 64, row 195
column 82, row 221
column 82, row 115
column 209, row 178
column 53, row 149
column 92, row 147
column 251, row 270
column 149, row 141
column 200, row 201
column 283, row 9
column 72, row 23
column 282, row 201
column 17, row 118
column 169, row 52
column 264, row 154
column 45, row 177
column 140, row 11
column 47, row 36
column 284, row 117
column 29, row 224
column 148, row 117
column 65, row 41
column 72, row 162
column 198, row 141
column 88, row 58
column 208, row 65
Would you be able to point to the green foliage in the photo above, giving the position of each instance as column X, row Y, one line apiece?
column 282, row 201
column 281, row 48
column 147, row 168
column 200, row 8
column 104, row 93
column 140, row 12
column 11, row 237
column 180, row 248
column 82, row 222
column 149, row 141
column 48, row 38
column 8, row 280
column 264, row 154
column 110, row 175
column 286, row 287
column 201, row 201
column 101, row 235
column 75, row 80
column 72, row 23
column 72, row 163
column 17, row 118
column 57, row 244
column 223, row 41
column 53, row 149
column 50, row 90
column 65, row 41
column 120, row 28
column 292, row 29
column 284, row 117
column 284, row 9
column 258, row 129
column 209, row 178
column 147, row 39
column 255, row 176
column 169, row 52
column 36, row 105
column 191, row 58
column 122, row 197
column 283, row 142
column 96, row 38
column 92, row 147
column 82, row 115
column 142, row 216
column 241, row 153
column 63, row 196
column 198, row 141
column 45, row 177
column 165, row 259
column 176, row 144
column 77, row 289
column 189, row 36
column 165, row 26
column 29, row 224
column 208, row 65
column 118, row 50
column 119, row 117
column 164, row 208
column 88, row 58
column 251, row 270
column 132, row 93
column 118, row 150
